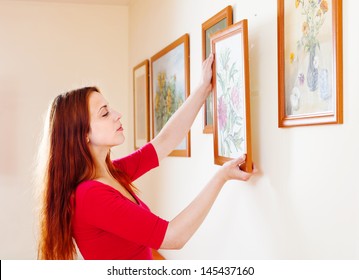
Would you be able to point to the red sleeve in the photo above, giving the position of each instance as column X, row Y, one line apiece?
column 107, row 209
column 139, row 162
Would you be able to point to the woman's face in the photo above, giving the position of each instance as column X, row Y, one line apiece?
column 105, row 126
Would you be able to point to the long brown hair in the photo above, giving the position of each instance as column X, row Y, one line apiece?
column 68, row 163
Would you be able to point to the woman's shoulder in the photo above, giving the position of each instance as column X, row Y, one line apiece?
column 146, row 151
column 91, row 187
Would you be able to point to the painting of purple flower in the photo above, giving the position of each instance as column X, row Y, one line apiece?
column 222, row 113
column 229, row 97
column 235, row 96
column 301, row 79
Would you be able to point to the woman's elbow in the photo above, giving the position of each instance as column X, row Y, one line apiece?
column 172, row 244
column 173, row 241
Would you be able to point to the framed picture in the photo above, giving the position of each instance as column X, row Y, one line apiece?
column 141, row 101
column 310, row 75
column 231, row 95
column 170, row 82
column 216, row 23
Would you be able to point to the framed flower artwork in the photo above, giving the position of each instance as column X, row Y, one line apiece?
column 310, row 75
column 170, row 87
column 216, row 23
column 231, row 95
column 141, row 102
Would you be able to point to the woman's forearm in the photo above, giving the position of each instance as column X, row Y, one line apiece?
column 185, row 224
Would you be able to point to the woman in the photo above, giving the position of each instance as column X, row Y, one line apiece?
column 90, row 199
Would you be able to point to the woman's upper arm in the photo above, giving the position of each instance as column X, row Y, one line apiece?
column 162, row 147
column 109, row 211
column 156, row 143
column 139, row 162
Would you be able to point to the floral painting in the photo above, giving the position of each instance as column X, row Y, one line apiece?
column 170, row 86
column 230, row 103
column 168, row 89
column 168, row 98
column 231, row 94
column 309, row 67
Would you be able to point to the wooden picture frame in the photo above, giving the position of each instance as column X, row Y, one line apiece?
column 218, row 22
column 170, row 86
column 141, row 104
column 310, row 67
column 232, row 126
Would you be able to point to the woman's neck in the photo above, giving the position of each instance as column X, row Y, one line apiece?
column 100, row 156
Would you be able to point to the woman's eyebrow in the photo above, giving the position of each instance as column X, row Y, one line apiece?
column 102, row 107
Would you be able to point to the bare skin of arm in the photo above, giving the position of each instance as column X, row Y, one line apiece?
column 185, row 224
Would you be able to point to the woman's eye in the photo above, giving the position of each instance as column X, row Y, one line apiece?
column 105, row 115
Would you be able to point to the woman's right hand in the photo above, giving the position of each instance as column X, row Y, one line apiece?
column 231, row 170
column 185, row 224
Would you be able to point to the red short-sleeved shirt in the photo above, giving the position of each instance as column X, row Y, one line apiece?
column 107, row 225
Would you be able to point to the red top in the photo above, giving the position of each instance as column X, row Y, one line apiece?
column 107, row 225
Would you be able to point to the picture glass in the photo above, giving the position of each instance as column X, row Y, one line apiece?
column 230, row 89
column 169, row 91
column 209, row 101
column 308, row 58
column 140, row 92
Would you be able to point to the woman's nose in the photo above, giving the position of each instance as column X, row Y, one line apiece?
column 118, row 115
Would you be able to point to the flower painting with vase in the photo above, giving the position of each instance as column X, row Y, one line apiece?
column 308, row 61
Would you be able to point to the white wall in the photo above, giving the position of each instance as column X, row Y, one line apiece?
column 304, row 203
column 47, row 49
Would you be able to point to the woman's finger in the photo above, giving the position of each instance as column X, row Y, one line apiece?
column 240, row 160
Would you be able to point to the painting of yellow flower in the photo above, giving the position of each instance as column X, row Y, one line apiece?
column 168, row 99
column 170, row 86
